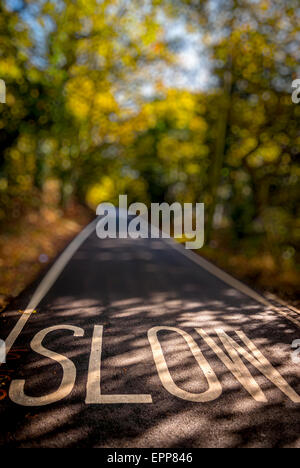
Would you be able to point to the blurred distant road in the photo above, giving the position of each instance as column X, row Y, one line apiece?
column 166, row 352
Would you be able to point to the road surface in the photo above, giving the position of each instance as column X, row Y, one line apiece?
column 140, row 343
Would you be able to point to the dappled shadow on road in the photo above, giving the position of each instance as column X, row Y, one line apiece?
column 128, row 288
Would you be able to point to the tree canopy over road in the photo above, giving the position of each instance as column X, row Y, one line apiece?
column 93, row 102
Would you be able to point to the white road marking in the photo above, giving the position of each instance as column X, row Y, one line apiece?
column 93, row 388
column 94, row 396
column 48, row 282
column 252, row 355
column 214, row 386
column 16, row 390
column 283, row 303
column 228, row 279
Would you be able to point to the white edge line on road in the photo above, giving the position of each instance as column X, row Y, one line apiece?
column 228, row 279
column 48, row 281
column 283, row 303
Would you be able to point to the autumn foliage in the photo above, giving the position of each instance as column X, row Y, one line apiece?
column 92, row 104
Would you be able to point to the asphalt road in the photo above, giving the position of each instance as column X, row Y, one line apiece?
column 185, row 384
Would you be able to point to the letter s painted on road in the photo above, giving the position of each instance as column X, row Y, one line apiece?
column 16, row 391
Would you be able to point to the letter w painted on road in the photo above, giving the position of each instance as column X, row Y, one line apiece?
column 232, row 361
column 240, row 371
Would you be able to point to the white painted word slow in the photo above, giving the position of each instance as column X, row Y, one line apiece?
column 231, row 358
